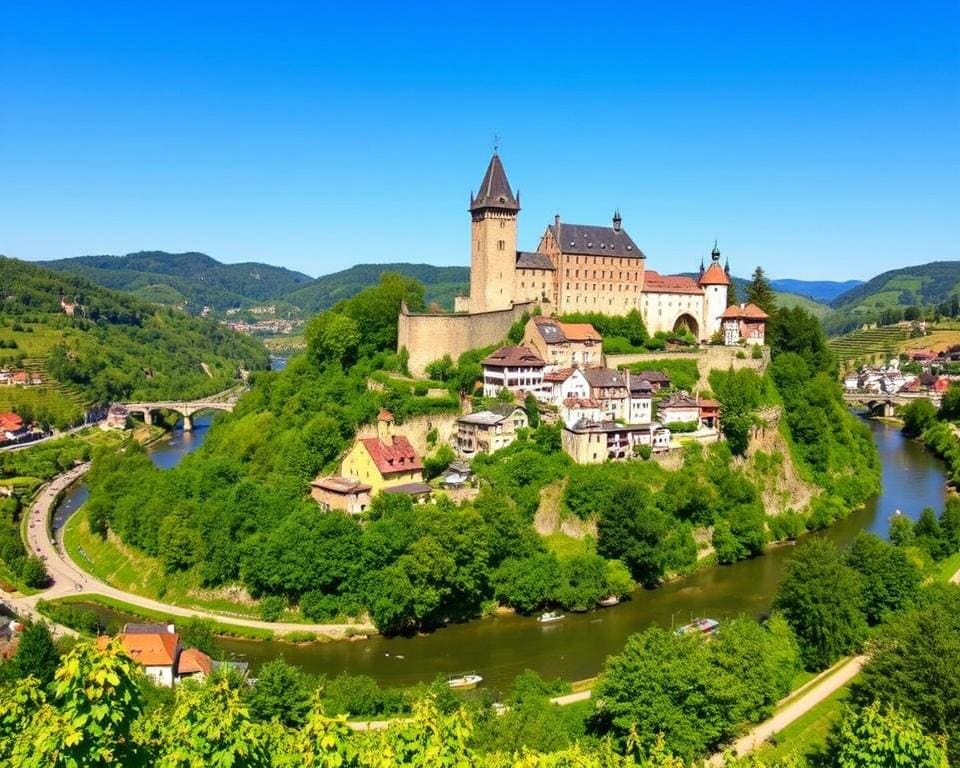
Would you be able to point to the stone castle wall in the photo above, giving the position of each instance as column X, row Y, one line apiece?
column 416, row 428
column 707, row 359
column 429, row 337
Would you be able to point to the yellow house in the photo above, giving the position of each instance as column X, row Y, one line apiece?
column 385, row 461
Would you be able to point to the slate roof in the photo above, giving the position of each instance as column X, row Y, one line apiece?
column 555, row 332
column 533, row 260
column 679, row 400
column 654, row 282
column 714, row 276
column 605, row 377
column 651, row 376
column 495, row 190
column 490, row 417
column 588, row 240
column 393, row 457
column 410, row 489
column 513, row 357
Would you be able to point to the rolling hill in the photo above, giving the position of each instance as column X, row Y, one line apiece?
column 190, row 281
column 113, row 347
column 922, row 285
column 440, row 284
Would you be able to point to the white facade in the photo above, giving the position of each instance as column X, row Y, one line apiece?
column 641, row 409
column 573, row 385
column 521, row 379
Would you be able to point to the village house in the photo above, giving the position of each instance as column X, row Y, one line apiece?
column 709, row 414
column 743, row 322
column 456, row 475
column 564, row 345
column 11, row 426
column 517, row 369
column 641, row 399
column 590, row 442
column 384, row 461
column 655, row 379
column 341, row 493
column 678, row 408
column 117, row 416
column 609, row 388
column 489, row 431
column 561, row 384
column 575, row 409
column 157, row 648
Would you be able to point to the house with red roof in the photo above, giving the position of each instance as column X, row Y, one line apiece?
column 387, row 461
column 743, row 321
column 563, row 345
column 157, row 649
column 11, row 426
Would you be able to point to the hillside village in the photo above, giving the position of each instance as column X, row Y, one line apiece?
column 557, row 374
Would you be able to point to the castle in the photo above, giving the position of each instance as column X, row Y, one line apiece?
column 576, row 268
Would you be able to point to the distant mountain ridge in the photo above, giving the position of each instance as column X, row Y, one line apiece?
column 191, row 280
column 823, row 291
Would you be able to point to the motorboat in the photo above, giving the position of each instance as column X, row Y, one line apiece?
column 700, row 626
column 609, row 601
column 550, row 617
column 464, row 681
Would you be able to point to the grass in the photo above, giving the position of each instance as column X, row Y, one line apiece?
column 217, row 627
column 808, row 732
column 944, row 570
column 55, row 404
column 566, row 547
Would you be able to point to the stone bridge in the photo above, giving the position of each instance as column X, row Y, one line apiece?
column 223, row 401
column 881, row 404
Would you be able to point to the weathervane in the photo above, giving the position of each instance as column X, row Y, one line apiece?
column 496, row 143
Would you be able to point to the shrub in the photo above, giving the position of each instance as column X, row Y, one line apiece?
column 741, row 355
column 271, row 607
column 642, row 451
column 757, row 352
column 319, row 606
column 683, row 426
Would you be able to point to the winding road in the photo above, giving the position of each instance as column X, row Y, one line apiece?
column 67, row 578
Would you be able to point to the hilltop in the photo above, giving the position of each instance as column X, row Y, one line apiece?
column 440, row 284
column 819, row 290
column 921, row 285
column 113, row 347
column 187, row 280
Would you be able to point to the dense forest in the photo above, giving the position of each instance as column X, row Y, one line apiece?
column 250, row 520
column 114, row 347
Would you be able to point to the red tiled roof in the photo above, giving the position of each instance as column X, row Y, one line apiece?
column 653, row 282
column 580, row 332
column 709, row 405
column 512, row 357
column 744, row 312
column 384, row 415
column 393, row 457
column 714, row 276
column 151, row 649
column 193, row 661
column 560, row 374
column 9, row 421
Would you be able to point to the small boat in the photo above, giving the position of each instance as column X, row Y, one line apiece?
column 700, row 626
column 579, row 608
column 609, row 601
column 465, row 681
column 550, row 617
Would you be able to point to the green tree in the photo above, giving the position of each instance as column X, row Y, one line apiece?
column 820, row 598
column 630, row 529
column 760, row 292
column 532, row 409
column 36, row 655
column 917, row 416
column 901, row 531
column 880, row 738
column 281, row 691
column 889, row 579
column 913, row 665
column 950, row 524
column 332, row 336
column 928, row 536
column 527, row 583
column 950, row 404
column 196, row 632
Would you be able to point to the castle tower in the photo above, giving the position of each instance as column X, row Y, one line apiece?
column 715, row 282
column 493, row 240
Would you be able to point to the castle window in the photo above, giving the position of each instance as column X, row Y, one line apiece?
column 500, row 244
column 568, row 273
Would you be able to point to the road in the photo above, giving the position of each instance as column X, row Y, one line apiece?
column 70, row 579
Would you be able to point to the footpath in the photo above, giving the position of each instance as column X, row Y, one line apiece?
column 67, row 578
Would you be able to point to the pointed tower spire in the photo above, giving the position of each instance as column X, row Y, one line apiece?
column 495, row 190
column 715, row 253
column 617, row 221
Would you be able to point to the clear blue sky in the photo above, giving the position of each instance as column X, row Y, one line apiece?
column 819, row 139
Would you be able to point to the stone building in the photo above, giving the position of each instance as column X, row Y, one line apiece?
column 489, row 431
column 517, row 369
column 564, row 345
column 575, row 268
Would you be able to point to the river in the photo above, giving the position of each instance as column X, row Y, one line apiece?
column 499, row 648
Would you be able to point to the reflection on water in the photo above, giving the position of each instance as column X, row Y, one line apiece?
column 500, row 648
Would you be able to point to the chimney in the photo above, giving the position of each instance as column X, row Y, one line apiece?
column 385, row 426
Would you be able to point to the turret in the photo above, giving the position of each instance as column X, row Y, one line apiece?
column 493, row 246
